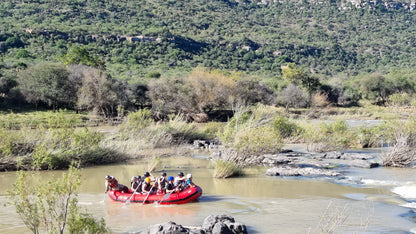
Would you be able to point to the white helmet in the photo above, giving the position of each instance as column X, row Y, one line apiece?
column 188, row 176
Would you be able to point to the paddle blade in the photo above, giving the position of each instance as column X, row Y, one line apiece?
column 166, row 196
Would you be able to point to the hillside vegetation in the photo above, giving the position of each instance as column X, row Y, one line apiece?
column 136, row 37
column 198, row 57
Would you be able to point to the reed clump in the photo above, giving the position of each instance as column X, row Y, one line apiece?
column 53, row 146
column 259, row 130
column 329, row 136
column 144, row 131
column 225, row 169
column 403, row 152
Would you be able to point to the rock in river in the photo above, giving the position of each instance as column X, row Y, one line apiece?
column 297, row 171
column 213, row 224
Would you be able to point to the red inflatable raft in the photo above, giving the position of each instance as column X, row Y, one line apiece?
column 188, row 195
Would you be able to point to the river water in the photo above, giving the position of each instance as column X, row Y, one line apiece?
column 377, row 200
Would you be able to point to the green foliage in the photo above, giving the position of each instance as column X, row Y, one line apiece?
column 211, row 129
column 52, row 205
column 48, row 119
column 246, row 36
column 400, row 99
column 376, row 88
column 80, row 55
column 137, row 121
column 299, row 77
column 47, row 83
column 286, row 128
column 253, row 133
column 329, row 136
column 151, row 134
column 54, row 142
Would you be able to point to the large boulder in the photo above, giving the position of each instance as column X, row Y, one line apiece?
column 169, row 227
column 223, row 224
column 215, row 224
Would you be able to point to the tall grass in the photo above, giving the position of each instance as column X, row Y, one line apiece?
column 151, row 134
column 54, row 144
column 403, row 152
column 225, row 169
column 259, row 130
column 48, row 119
column 329, row 136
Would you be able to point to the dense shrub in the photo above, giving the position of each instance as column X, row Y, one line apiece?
column 293, row 96
column 252, row 132
column 211, row 89
column 329, row 136
column 171, row 96
column 403, row 152
column 48, row 83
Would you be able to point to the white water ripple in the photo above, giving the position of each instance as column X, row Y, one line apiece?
column 407, row 191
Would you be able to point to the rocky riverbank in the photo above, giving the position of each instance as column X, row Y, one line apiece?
column 291, row 163
column 213, row 224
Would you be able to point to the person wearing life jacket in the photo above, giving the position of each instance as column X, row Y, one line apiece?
column 111, row 183
column 189, row 182
column 170, row 187
column 146, row 186
column 161, row 183
column 179, row 181
column 136, row 184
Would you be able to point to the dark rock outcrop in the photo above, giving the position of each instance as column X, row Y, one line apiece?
column 213, row 224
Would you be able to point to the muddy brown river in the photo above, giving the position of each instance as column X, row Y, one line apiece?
column 366, row 200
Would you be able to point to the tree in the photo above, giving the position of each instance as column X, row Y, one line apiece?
column 48, row 83
column 293, row 96
column 299, row 77
column 212, row 89
column 375, row 87
column 96, row 92
column 250, row 91
column 79, row 55
column 171, row 96
column 52, row 205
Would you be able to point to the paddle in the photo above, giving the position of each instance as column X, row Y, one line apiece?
column 167, row 195
column 148, row 194
column 135, row 191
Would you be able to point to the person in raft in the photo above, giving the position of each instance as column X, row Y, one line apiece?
column 189, row 183
column 179, row 181
column 161, row 183
column 146, row 186
column 111, row 183
column 170, row 187
column 136, row 184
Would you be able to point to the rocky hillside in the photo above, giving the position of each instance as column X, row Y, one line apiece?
column 137, row 38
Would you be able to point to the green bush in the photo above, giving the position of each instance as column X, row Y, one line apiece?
column 285, row 128
column 255, row 132
column 329, row 136
column 256, row 141
column 51, row 206
column 136, row 122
